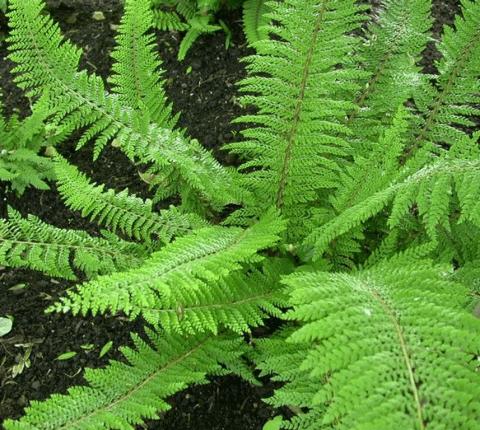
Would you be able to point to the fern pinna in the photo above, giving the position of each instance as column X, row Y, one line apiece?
column 353, row 219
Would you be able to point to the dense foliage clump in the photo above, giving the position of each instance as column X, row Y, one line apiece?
column 353, row 218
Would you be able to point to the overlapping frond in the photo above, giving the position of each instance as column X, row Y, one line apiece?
column 47, row 64
column 301, row 85
column 137, row 74
column 20, row 144
column 255, row 20
column 120, row 211
column 189, row 264
column 432, row 194
column 448, row 106
column 390, row 53
column 391, row 347
column 237, row 302
column 125, row 394
column 33, row 244
column 375, row 170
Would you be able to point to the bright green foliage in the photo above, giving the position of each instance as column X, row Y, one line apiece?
column 375, row 349
column 432, row 189
column 137, row 71
column 356, row 218
column 298, row 138
column 390, row 55
column 123, row 394
column 20, row 144
column 451, row 101
column 121, row 211
column 237, row 302
column 255, row 20
column 32, row 244
column 48, row 64
column 193, row 16
column 185, row 267
column 168, row 21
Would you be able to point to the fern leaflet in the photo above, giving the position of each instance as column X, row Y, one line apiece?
column 32, row 244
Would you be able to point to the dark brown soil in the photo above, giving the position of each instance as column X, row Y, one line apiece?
column 206, row 98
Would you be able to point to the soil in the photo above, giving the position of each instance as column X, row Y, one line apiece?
column 203, row 89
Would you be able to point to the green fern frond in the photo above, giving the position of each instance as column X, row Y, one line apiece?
column 255, row 20
column 199, row 25
column 390, row 54
column 299, row 84
column 373, row 172
column 368, row 173
column 125, row 394
column 30, row 243
column 431, row 191
column 388, row 348
column 21, row 142
column 190, row 264
column 42, row 57
column 137, row 71
column 78, row 100
column 121, row 211
column 168, row 21
column 449, row 104
column 188, row 8
column 237, row 302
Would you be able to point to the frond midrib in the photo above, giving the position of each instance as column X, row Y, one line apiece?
column 133, row 390
column 218, row 305
column 403, row 346
column 374, row 79
column 141, row 218
column 440, row 99
column 62, row 245
column 290, row 138
column 180, row 266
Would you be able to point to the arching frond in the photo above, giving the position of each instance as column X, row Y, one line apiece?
column 119, row 211
column 125, row 394
column 137, row 76
column 238, row 302
column 431, row 191
column 187, row 266
column 301, row 85
column 30, row 243
column 47, row 64
column 391, row 347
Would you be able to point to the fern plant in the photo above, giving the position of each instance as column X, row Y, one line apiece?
column 197, row 18
column 21, row 142
column 353, row 218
